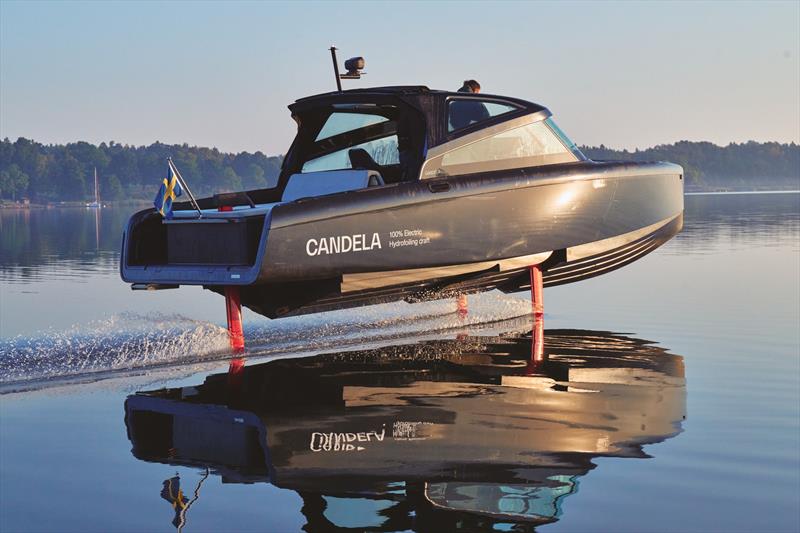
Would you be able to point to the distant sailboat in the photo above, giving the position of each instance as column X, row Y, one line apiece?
column 96, row 204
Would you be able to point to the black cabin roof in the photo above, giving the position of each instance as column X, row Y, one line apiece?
column 431, row 103
column 401, row 91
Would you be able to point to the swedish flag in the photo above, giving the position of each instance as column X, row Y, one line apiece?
column 170, row 189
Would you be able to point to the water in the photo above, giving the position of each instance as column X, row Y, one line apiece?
column 670, row 399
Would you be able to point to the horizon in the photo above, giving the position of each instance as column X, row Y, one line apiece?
column 140, row 72
column 266, row 154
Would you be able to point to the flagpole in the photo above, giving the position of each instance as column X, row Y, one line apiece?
column 189, row 504
column 185, row 186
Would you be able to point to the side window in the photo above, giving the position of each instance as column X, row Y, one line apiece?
column 463, row 112
column 383, row 151
column 530, row 145
column 343, row 122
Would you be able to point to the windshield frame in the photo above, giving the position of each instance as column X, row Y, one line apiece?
column 565, row 140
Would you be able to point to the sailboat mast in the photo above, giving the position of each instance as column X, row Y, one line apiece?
column 96, row 190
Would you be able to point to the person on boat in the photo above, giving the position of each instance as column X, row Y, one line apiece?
column 470, row 86
column 465, row 112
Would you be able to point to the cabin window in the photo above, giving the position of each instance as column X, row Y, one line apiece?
column 383, row 151
column 343, row 122
column 463, row 112
column 385, row 138
column 529, row 145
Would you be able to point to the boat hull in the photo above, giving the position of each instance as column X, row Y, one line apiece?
column 433, row 238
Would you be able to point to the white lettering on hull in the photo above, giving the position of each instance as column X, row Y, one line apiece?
column 344, row 442
column 358, row 441
column 342, row 244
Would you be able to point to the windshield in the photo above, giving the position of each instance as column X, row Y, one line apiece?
column 571, row 146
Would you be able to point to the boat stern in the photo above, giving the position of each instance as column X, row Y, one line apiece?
column 224, row 249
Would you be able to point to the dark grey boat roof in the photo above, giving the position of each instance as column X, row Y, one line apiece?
column 431, row 103
column 405, row 92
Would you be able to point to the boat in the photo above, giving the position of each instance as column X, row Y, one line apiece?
column 400, row 193
column 424, row 435
column 96, row 204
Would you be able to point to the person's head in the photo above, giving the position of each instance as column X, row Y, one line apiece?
column 470, row 86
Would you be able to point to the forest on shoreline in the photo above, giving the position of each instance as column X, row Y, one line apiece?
column 55, row 173
column 65, row 172
column 746, row 166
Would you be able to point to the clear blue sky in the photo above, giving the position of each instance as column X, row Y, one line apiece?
column 629, row 74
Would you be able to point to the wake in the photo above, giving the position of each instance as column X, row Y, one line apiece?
column 129, row 342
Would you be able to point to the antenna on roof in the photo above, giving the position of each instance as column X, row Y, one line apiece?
column 354, row 65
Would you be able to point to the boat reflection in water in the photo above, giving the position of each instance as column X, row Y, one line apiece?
column 436, row 436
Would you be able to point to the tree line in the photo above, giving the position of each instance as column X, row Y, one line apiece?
column 65, row 172
column 750, row 165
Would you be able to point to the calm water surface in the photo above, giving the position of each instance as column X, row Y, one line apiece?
column 670, row 400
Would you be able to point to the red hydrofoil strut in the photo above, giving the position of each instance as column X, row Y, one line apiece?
column 537, row 332
column 233, row 306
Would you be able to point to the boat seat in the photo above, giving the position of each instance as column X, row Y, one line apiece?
column 312, row 184
column 305, row 185
column 360, row 158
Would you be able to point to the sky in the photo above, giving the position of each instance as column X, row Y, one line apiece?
column 624, row 74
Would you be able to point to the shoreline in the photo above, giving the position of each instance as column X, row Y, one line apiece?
column 144, row 203
column 73, row 205
column 712, row 193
